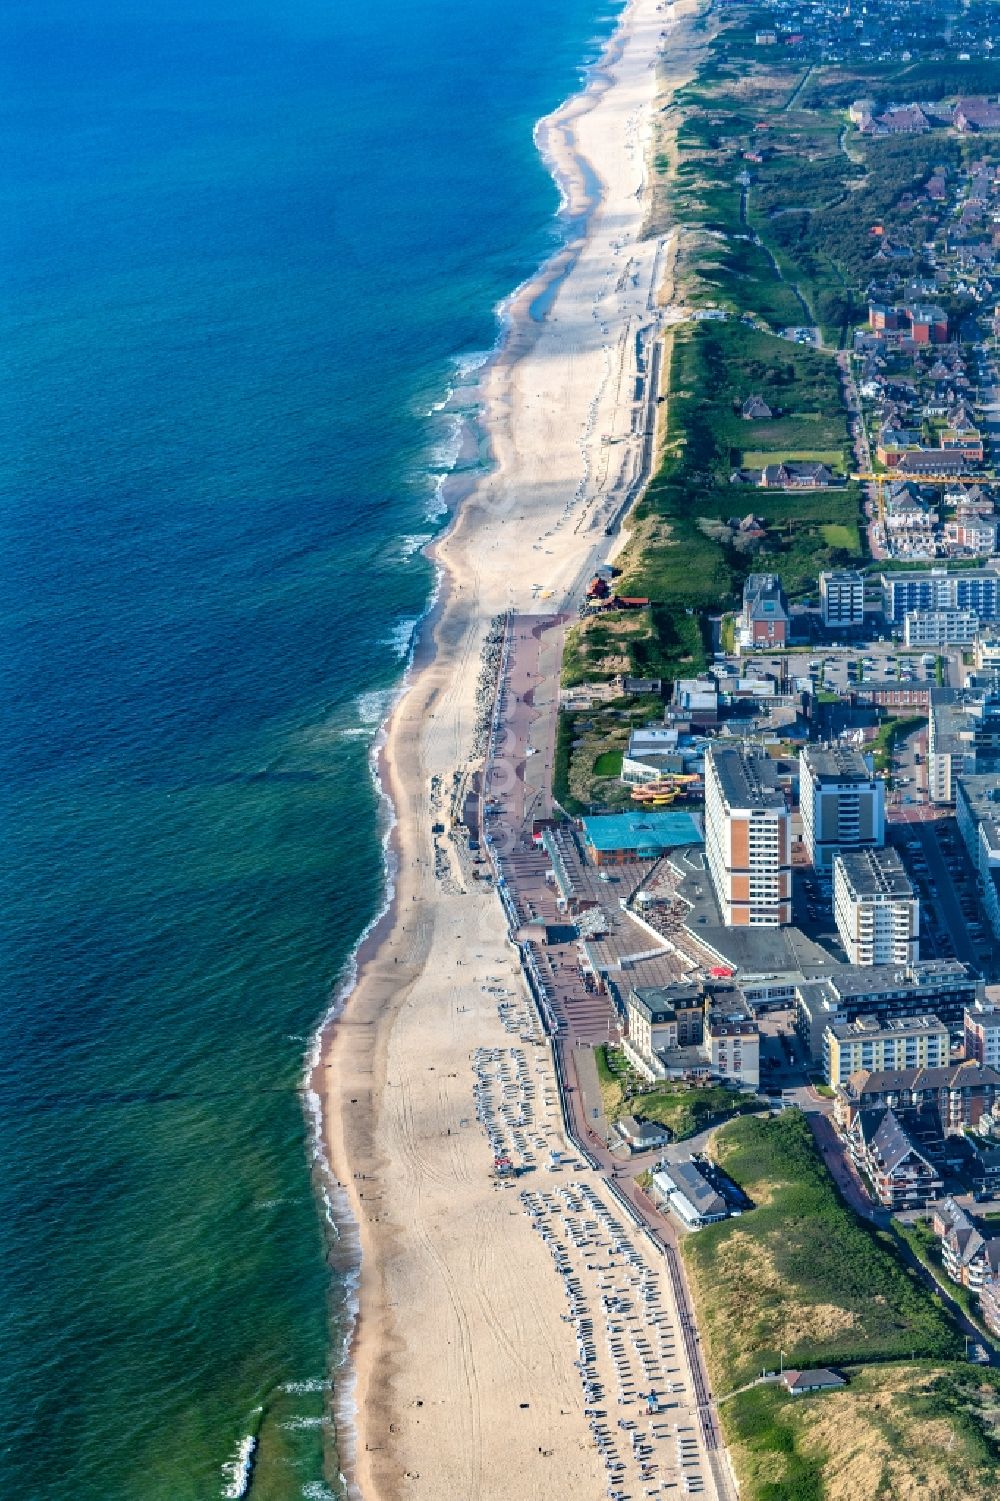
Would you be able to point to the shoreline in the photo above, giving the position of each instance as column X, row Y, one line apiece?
column 348, row 1071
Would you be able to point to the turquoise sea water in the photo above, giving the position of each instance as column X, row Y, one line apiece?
column 246, row 245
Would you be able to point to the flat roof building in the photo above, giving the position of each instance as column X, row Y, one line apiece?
column 842, row 599
column 866, row 1043
column 842, row 802
column 977, row 814
column 975, row 589
column 939, row 987
column 876, row 908
column 622, row 838
column 940, row 627
column 963, row 737
column 747, row 838
column 982, row 1033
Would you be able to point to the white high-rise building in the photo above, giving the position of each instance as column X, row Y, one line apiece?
column 842, row 599
column 747, row 838
column 842, row 802
column 876, row 908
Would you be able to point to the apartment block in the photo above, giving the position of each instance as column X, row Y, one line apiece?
column 842, row 599
column 960, row 1094
column 977, row 814
column 876, row 908
column 975, row 589
column 901, row 1174
column 940, row 627
column 982, row 1033
column 747, row 838
column 866, row 1043
column 732, row 1044
column 944, row 988
column 842, row 803
column 963, row 737
column 663, row 1017
column 987, row 653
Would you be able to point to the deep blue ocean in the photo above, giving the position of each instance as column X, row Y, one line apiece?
column 246, row 248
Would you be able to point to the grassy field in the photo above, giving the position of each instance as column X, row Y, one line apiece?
column 608, row 764
column 836, row 534
column 898, row 1432
column 561, row 764
column 926, row 1246
column 769, row 1282
column 684, row 1109
column 654, row 642
column 682, row 552
column 756, row 458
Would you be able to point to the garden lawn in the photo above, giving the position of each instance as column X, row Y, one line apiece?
column 608, row 764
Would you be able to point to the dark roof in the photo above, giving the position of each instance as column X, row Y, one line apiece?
column 836, row 763
column 884, row 1133
column 660, row 1003
column 930, row 461
column 967, row 1075
column 747, row 778
column 878, row 872
column 764, row 596
column 692, row 1183
column 804, row 1380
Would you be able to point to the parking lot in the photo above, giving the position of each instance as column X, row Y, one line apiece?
column 952, row 924
column 838, row 669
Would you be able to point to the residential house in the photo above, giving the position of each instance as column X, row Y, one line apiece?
column 968, row 1257
column 972, row 115
column 799, row 476
column 989, row 1303
column 900, row 1174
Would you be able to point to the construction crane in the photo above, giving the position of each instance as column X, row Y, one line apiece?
column 891, row 477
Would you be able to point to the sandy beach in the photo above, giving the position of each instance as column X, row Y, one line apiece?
column 465, row 1383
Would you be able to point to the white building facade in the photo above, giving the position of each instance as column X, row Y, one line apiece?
column 876, row 908
column 842, row 599
column 842, row 803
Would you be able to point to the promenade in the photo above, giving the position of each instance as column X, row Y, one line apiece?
column 574, row 1011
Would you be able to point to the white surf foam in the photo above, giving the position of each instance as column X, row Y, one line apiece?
column 400, row 638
